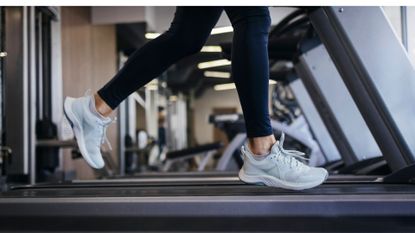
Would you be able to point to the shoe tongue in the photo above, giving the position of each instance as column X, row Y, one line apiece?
column 275, row 148
column 106, row 120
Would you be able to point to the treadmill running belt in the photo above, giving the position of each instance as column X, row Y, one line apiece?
column 342, row 207
column 173, row 190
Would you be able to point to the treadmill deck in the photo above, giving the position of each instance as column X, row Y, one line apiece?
column 221, row 205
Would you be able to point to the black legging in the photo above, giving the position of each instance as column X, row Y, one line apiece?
column 187, row 34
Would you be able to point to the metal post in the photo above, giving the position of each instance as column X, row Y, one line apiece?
column 121, row 139
column 404, row 26
column 3, row 54
column 56, row 77
column 31, row 99
column 151, row 111
column 39, row 63
column 16, row 88
column 132, row 115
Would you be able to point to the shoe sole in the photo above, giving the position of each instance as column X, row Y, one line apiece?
column 275, row 182
column 77, row 129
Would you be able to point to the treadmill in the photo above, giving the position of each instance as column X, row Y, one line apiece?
column 353, row 139
column 369, row 66
column 387, row 205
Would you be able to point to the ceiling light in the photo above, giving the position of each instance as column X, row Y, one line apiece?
column 153, row 85
column 152, row 88
column 153, row 82
column 3, row 54
column 211, row 49
column 221, row 30
column 230, row 86
column 217, row 74
column 215, row 31
column 152, row 35
column 215, row 63
column 173, row 98
column 223, row 87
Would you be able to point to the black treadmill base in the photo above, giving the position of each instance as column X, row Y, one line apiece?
column 180, row 189
column 221, row 207
column 209, row 224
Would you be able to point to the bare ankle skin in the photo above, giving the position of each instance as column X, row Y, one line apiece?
column 261, row 145
column 102, row 107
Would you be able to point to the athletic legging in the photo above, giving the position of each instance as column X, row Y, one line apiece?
column 187, row 34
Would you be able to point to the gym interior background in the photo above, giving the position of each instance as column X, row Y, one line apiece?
column 189, row 119
column 89, row 45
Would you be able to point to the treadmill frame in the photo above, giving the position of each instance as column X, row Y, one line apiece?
column 365, row 69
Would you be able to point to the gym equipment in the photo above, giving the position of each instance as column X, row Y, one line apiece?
column 5, row 152
column 166, row 160
column 338, row 111
column 370, row 75
column 206, row 150
column 329, row 95
column 47, row 158
column 147, row 145
column 316, row 124
column 5, row 160
column 28, row 101
column 284, row 105
column 234, row 127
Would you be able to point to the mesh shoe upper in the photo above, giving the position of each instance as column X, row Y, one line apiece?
column 93, row 127
column 282, row 164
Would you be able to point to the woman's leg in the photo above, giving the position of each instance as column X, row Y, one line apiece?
column 89, row 116
column 187, row 34
column 250, row 71
column 277, row 167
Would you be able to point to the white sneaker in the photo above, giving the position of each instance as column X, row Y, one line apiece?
column 280, row 169
column 89, row 129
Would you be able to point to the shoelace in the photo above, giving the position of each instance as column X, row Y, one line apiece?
column 290, row 156
column 104, row 138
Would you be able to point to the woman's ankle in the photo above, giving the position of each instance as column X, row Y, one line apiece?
column 101, row 106
column 261, row 145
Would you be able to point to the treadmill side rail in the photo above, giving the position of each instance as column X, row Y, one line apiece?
column 352, row 129
column 315, row 122
column 370, row 66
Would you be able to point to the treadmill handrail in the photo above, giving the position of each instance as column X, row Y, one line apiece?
column 193, row 150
